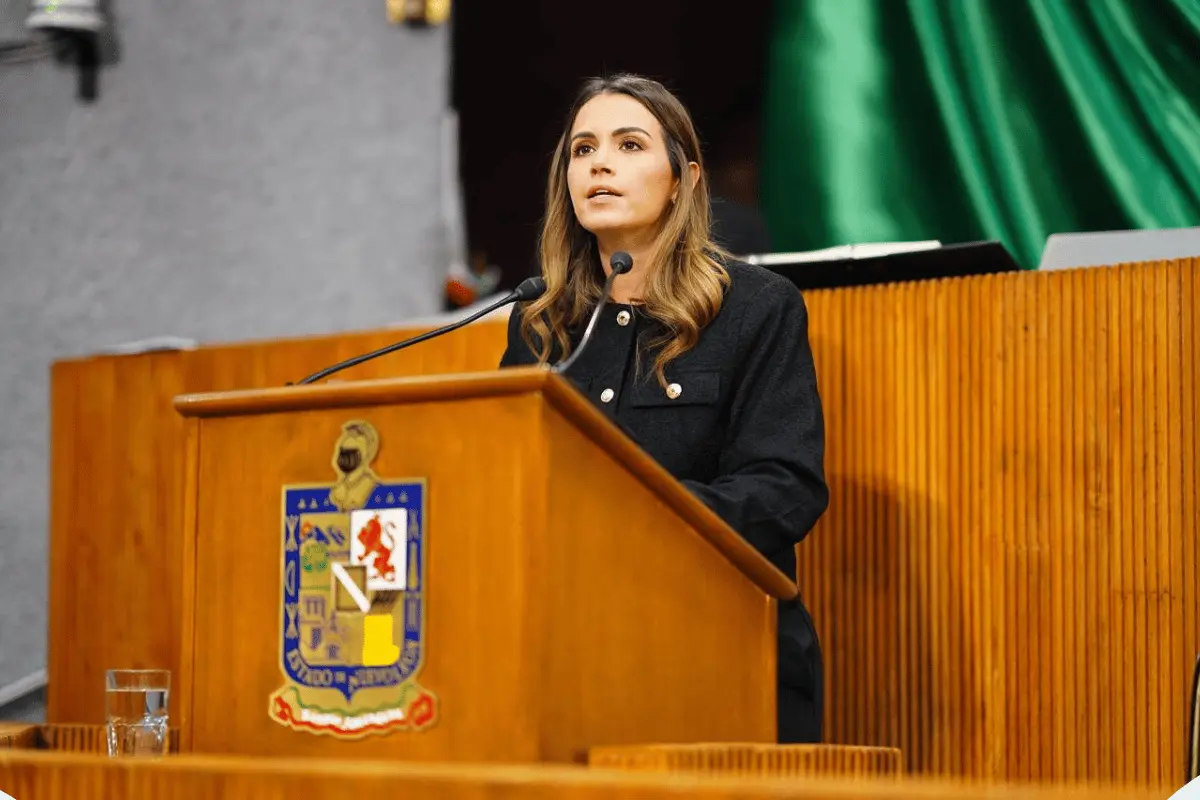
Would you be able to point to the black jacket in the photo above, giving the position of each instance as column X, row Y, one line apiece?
column 741, row 424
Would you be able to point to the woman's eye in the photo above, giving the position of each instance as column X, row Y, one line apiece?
column 631, row 144
column 582, row 150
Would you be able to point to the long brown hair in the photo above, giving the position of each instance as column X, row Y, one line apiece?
column 685, row 280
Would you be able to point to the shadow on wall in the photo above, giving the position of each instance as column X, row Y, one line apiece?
column 894, row 615
column 28, row 708
column 887, row 578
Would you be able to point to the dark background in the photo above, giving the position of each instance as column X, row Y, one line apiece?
column 516, row 67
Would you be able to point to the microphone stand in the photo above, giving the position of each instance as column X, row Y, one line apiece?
column 530, row 289
column 620, row 263
column 564, row 365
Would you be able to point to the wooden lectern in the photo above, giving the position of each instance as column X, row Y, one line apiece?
column 566, row 593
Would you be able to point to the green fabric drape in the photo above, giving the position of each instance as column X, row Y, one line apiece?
column 961, row 120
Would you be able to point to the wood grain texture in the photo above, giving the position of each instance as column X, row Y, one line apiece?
column 1006, row 581
column 500, row 383
column 18, row 735
column 114, row 521
column 65, row 738
column 1003, row 452
column 754, row 760
column 60, row 776
column 650, row 633
column 116, row 501
column 568, row 604
column 259, row 365
column 185, row 678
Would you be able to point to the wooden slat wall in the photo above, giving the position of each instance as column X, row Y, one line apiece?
column 1005, row 584
column 797, row 761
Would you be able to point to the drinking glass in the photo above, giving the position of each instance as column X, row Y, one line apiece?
column 136, row 709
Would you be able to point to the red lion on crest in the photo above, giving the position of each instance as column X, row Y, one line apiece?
column 379, row 540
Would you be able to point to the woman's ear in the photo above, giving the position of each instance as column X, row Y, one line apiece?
column 693, row 175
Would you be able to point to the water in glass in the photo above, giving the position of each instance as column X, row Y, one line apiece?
column 137, row 702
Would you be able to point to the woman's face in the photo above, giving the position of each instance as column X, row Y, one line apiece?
column 619, row 175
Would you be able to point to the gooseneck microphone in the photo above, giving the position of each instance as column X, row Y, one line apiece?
column 529, row 289
column 621, row 262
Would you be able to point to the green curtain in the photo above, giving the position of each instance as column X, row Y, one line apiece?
column 962, row 120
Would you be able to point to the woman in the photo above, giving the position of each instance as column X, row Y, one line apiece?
column 704, row 360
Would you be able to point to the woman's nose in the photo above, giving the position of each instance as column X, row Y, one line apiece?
column 600, row 162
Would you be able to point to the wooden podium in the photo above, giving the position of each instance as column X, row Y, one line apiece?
column 571, row 593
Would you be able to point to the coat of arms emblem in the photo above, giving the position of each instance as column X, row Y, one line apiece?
column 352, row 606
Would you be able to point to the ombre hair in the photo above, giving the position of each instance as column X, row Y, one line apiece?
column 685, row 280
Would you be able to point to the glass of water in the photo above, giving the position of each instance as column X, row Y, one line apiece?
column 136, row 708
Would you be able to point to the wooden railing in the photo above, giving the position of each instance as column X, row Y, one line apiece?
column 64, row 738
column 56, row 776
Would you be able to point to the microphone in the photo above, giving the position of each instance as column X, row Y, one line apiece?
column 621, row 262
column 529, row 289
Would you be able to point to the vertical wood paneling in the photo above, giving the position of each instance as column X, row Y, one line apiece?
column 1053, row 335
column 1085, row 476
column 1020, row 685
column 1096, row 603
column 1005, row 584
column 797, row 761
column 1141, row 520
column 1189, row 446
column 964, row 491
column 1013, row 460
column 995, row 567
column 909, row 558
column 823, row 331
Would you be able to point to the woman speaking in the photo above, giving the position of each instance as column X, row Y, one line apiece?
column 703, row 359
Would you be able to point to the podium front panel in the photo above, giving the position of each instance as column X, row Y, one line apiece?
column 474, row 598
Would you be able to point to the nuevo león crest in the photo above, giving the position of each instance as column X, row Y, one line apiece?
column 352, row 610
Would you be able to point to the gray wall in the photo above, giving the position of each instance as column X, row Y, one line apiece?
column 251, row 169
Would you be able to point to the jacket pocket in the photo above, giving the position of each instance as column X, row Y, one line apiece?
column 683, row 389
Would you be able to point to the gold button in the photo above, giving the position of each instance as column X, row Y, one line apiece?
column 606, row 396
column 674, row 390
column 623, row 318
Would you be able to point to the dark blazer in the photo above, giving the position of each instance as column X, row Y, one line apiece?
column 740, row 425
